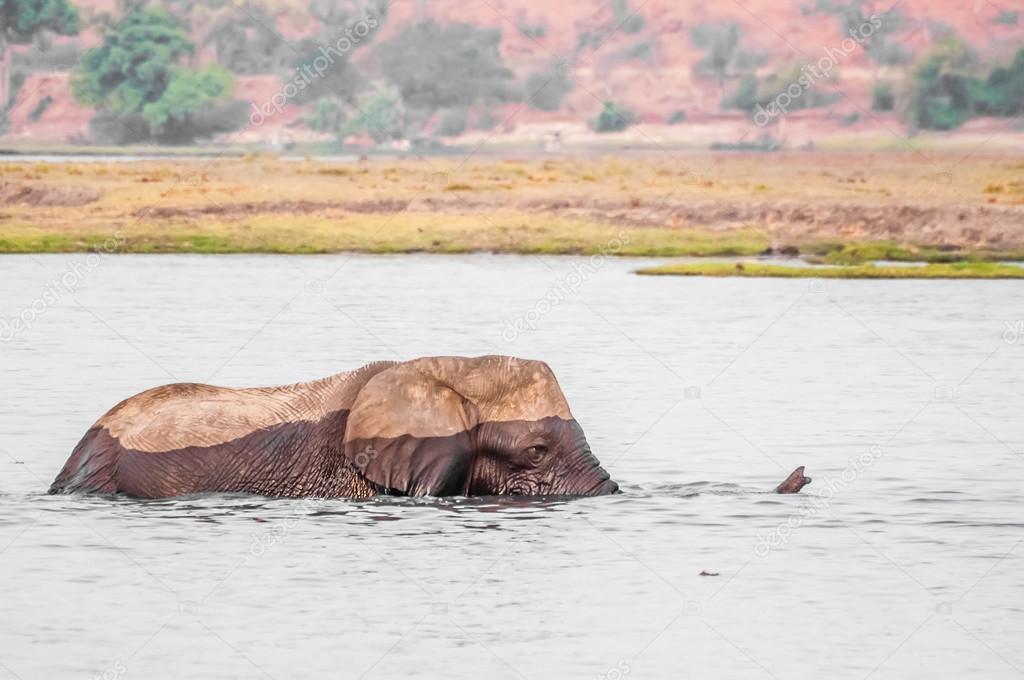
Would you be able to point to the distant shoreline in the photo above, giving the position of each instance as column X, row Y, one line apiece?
column 496, row 147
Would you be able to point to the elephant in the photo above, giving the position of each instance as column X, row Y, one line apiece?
column 434, row 426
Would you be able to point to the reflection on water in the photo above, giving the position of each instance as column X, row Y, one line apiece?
column 698, row 395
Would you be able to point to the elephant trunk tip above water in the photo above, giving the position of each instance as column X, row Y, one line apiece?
column 437, row 426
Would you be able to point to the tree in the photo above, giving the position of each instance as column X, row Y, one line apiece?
column 446, row 67
column 724, row 57
column 753, row 93
column 244, row 38
column 626, row 20
column 949, row 86
column 335, row 82
column 942, row 87
column 381, row 114
column 21, row 21
column 612, row 118
column 134, row 78
column 341, row 80
column 874, row 30
column 328, row 116
column 1003, row 91
column 242, row 32
column 883, row 98
column 187, row 92
column 546, row 90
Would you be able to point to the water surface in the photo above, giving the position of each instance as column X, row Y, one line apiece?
column 902, row 398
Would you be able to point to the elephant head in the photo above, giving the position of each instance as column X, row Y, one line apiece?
column 446, row 426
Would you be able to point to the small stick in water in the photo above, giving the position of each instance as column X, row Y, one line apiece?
column 794, row 482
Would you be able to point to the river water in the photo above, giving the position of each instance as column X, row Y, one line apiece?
column 902, row 398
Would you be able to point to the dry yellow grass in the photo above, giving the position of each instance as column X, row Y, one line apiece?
column 940, row 207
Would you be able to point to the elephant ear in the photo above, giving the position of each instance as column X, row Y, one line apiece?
column 409, row 432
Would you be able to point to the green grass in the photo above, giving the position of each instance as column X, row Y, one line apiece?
column 830, row 252
column 410, row 233
column 959, row 270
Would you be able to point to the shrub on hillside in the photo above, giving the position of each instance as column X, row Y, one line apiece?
column 612, row 118
column 452, row 123
column 440, row 67
column 380, row 114
column 724, row 57
column 545, row 91
column 883, row 98
column 949, row 86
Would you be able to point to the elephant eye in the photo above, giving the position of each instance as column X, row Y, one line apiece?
column 536, row 452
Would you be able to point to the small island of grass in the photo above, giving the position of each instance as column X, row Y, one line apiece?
column 958, row 270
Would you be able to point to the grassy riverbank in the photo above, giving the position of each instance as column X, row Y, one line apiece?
column 960, row 270
column 832, row 208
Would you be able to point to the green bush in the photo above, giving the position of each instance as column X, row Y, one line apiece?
column 949, row 87
column 532, row 31
column 940, row 91
column 856, row 16
column 452, row 123
column 645, row 50
column 752, row 94
column 52, row 57
column 1002, row 93
column 342, row 79
column 883, row 98
column 545, row 91
column 328, row 115
column 119, row 129
column 187, row 92
column 439, row 67
column 245, row 40
column 633, row 24
column 744, row 97
column 612, row 118
column 21, row 22
column 627, row 20
column 1007, row 18
column 724, row 58
column 486, row 120
column 345, row 27
column 942, row 113
column 206, row 122
column 381, row 114
column 587, row 40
